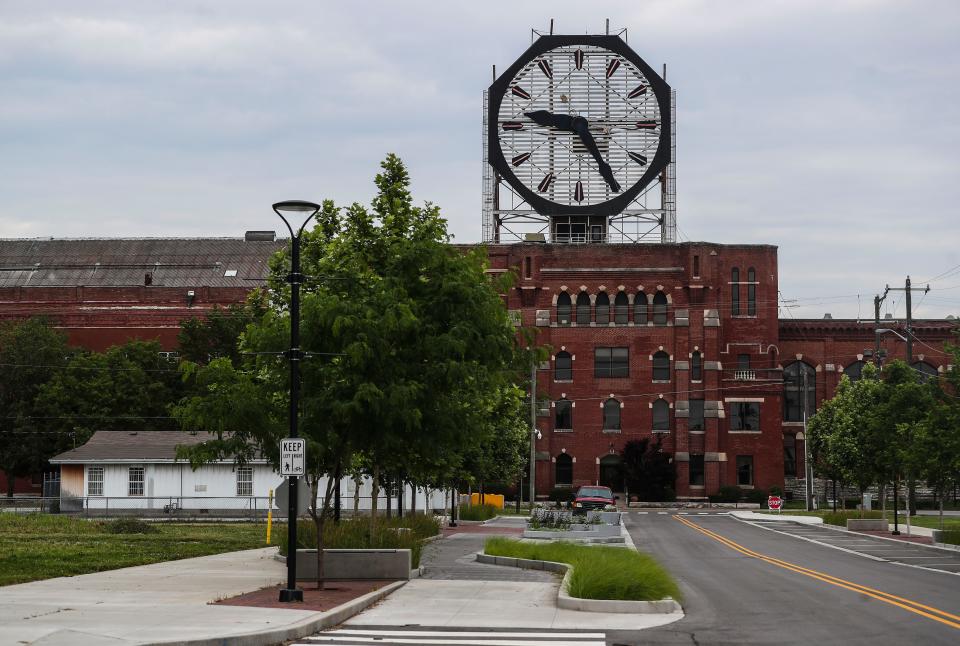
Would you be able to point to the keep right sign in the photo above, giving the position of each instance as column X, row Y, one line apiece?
column 775, row 502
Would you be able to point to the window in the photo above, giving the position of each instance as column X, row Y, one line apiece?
column 696, row 367
column 611, row 415
column 620, row 309
column 528, row 267
column 563, row 415
column 94, row 481
column 135, row 481
column 563, row 308
column 735, row 291
column 611, row 362
column 244, row 481
column 745, row 470
column 743, row 362
column 696, row 470
column 696, row 415
column 793, row 386
column 752, row 292
column 661, row 416
column 789, row 455
column 640, row 309
column 563, row 367
column 744, row 416
column 563, row 470
column 696, row 266
column 583, row 309
column 659, row 308
column 854, row 371
column 925, row 371
column 603, row 308
column 661, row 366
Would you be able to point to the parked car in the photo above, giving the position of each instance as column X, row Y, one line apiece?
column 592, row 497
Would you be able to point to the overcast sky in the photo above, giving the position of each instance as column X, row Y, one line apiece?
column 827, row 128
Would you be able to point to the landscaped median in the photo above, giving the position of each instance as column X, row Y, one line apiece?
column 597, row 578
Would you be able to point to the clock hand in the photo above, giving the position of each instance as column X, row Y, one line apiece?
column 580, row 127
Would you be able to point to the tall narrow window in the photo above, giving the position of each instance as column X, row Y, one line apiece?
column 640, row 308
column 925, row 371
column 854, row 371
column 743, row 361
column 583, row 309
column 528, row 267
column 135, row 481
column 563, row 309
column 94, row 481
column 744, row 416
column 696, row 367
column 793, row 391
column 244, row 481
column 696, row 470
column 603, row 309
column 563, row 471
column 735, row 291
column 563, row 367
column 789, row 454
column 745, row 470
column 611, row 415
column 752, row 292
column 661, row 366
column 696, row 415
column 620, row 308
column 659, row 308
column 563, row 420
column 661, row 416
column 696, row 266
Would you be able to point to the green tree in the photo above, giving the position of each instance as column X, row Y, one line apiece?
column 218, row 334
column 31, row 353
column 649, row 473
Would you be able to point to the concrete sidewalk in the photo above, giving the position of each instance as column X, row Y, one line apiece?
column 150, row 604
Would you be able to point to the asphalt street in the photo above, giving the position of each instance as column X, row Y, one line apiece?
column 808, row 597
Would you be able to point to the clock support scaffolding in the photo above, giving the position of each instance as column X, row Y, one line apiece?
column 650, row 218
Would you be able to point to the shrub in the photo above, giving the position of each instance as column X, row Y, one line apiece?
column 598, row 572
column 129, row 526
column 756, row 496
column 550, row 519
column 951, row 536
column 727, row 493
column 776, row 491
column 477, row 512
column 561, row 495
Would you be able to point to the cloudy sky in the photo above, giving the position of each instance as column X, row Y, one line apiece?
column 828, row 128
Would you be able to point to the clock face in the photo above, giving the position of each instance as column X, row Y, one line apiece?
column 579, row 125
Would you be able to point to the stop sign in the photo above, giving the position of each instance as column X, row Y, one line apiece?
column 775, row 502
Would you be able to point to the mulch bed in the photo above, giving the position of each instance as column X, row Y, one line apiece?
column 923, row 540
column 335, row 593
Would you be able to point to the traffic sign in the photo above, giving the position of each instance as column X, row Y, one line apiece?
column 293, row 452
column 775, row 502
column 282, row 497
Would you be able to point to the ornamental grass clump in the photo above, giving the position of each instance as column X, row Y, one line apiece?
column 599, row 572
column 477, row 512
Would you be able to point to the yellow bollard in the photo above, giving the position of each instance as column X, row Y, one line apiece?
column 269, row 515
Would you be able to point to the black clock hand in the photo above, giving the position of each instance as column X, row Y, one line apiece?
column 580, row 127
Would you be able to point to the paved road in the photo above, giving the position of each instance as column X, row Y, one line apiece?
column 732, row 597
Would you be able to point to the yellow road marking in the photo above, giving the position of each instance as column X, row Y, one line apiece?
column 913, row 606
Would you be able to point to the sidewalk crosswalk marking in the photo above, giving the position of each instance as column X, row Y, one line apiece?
column 440, row 637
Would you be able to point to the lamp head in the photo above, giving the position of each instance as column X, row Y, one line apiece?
column 296, row 206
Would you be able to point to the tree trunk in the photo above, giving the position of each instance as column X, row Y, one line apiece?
column 413, row 499
column 943, row 494
column 374, row 494
column 387, row 483
column 319, row 520
column 11, row 479
column 356, row 496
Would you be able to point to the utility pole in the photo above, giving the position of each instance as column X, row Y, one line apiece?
column 876, row 335
column 533, row 429
column 808, row 458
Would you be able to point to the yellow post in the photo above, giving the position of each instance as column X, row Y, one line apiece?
column 269, row 515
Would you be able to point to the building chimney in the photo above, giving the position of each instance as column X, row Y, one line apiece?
column 260, row 236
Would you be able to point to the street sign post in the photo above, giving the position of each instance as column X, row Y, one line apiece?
column 292, row 456
column 775, row 502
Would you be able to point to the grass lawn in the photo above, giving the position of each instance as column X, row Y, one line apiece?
column 932, row 522
column 598, row 572
column 42, row 546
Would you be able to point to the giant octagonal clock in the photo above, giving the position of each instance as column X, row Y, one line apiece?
column 579, row 125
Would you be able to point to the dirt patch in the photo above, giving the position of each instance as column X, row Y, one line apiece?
column 336, row 593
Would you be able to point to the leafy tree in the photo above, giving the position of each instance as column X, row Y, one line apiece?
column 218, row 334
column 31, row 353
column 649, row 472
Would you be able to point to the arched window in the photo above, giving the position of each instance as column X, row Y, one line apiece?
column 661, row 415
column 611, row 415
column 854, row 370
column 563, row 415
column 603, row 309
column 621, row 309
column 661, row 366
column 659, row 308
column 563, row 471
column 640, row 309
column 563, row 309
column 696, row 367
column 563, row 367
column 793, row 387
column 925, row 371
column 735, row 291
column 583, row 309
column 752, row 292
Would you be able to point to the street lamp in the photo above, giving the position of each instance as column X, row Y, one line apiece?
column 294, row 354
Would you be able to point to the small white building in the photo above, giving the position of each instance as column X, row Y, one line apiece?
column 118, row 470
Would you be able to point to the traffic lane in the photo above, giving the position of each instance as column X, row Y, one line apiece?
column 731, row 598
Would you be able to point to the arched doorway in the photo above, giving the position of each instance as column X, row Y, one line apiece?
column 611, row 474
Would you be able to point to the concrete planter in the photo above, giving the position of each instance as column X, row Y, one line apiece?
column 867, row 524
column 354, row 564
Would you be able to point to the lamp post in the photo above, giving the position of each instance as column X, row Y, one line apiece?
column 294, row 354
column 896, row 480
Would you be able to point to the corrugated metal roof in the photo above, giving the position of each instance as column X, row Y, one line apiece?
column 145, row 446
column 121, row 262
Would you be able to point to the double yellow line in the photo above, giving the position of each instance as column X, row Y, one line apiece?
column 929, row 612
